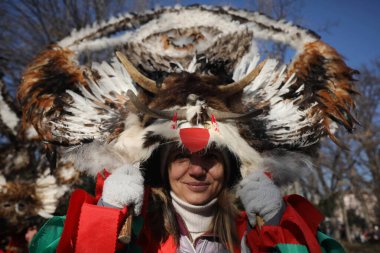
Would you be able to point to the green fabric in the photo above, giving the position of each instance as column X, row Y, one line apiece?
column 137, row 225
column 47, row 238
column 134, row 248
column 291, row 248
column 328, row 244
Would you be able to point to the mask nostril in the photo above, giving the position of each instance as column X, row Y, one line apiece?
column 6, row 205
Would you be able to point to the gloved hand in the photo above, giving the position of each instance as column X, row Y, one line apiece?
column 259, row 195
column 125, row 186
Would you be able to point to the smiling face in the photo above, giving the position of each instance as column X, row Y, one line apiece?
column 196, row 178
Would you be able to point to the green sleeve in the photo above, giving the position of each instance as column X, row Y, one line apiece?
column 328, row 245
column 47, row 238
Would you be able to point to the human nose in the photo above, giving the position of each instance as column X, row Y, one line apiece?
column 196, row 169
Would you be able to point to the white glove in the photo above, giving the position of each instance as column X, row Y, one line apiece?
column 124, row 187
column 259, row 195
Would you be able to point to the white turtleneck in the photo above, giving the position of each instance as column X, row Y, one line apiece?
column 197, row 218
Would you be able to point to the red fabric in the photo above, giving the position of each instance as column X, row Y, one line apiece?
column 84, row 219
column 70, row 229
column 101, row 177
column 16, row 244
column 169, row 246
column 104, row 219
column 294, row 228
column 194, row 139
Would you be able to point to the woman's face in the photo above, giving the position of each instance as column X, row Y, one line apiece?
column 196, row 178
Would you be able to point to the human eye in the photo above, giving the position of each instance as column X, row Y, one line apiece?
column 211, row 156
column 181, row 157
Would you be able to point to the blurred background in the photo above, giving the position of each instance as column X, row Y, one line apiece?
column 345, row 184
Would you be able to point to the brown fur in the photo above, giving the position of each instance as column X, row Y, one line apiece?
column 180, row 86
column 42, row 90
column 23, row 193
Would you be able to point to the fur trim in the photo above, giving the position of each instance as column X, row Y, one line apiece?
column 94, row 157
column 287, row 166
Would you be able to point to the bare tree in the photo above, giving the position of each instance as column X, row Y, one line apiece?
column 28, row 26
column 355, row 169
column 367, row 139
column 278, row 9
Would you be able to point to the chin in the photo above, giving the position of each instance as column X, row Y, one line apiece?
column 198, row 200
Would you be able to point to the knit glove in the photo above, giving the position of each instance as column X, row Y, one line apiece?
column 260, row 196
column 124, row 187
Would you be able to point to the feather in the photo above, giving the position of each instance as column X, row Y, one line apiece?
column 196, row 59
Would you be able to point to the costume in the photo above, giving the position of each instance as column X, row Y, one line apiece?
column 297, row 231
column 194, row 76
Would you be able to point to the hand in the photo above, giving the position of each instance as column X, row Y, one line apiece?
column 259, row 195
column 30, row 233
column 124, row 187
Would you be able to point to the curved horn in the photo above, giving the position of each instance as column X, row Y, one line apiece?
column 220, row 115
column 140, row 79
column 232, row 88
column 160, row 114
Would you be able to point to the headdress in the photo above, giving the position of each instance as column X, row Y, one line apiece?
column 180, row 69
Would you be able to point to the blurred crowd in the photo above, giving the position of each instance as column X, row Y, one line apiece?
column 365, row 234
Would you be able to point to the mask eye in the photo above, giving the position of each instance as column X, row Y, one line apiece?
column 6, row 205
column 20, row 208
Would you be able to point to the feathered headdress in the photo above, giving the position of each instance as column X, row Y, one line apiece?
column 184, row 68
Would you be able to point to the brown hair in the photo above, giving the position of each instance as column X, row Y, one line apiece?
column 165, row 223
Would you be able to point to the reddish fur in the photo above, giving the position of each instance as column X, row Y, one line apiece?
column 339, row 82
column 38, row 90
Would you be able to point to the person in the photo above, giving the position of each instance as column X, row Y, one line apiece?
column 187, row 205
column 188, row 132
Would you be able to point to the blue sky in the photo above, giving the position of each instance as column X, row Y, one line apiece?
column 355, row 32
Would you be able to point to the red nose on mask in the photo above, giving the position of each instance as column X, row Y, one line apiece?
column 194, row 139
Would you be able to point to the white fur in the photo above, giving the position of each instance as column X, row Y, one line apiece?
column 7, row 116
column 94, row 157
column 130, row 142
column 186, row 17
column 3, row 182
column 48, row 192
column 31, row 133
column 67, row 172
column 287, row 166
column 124, row 187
